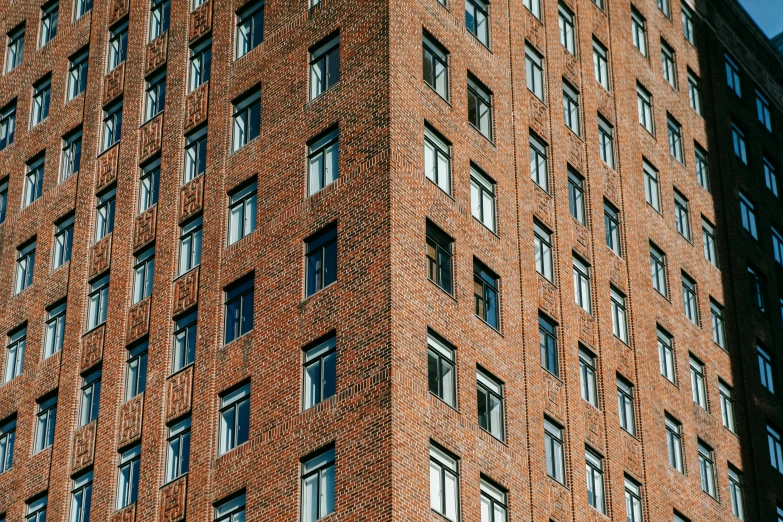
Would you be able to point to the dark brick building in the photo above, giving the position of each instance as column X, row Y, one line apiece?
column 390, row 261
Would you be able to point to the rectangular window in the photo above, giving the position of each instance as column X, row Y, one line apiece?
column 619, row 316
column 25, row 266
column 159, row 17
column 748, row 215
column 482, row 198
column 626, row 405
column 241, row 212
column 485, row 295
column 698, row 382
column 668, row 63
column 547, row 342
column 36, row 510
column 775, row 453
column 148, row 185
column 675, row 140
column 322, row 161
column 41, row 100
column 200, row 68
column 13, row 56
column 320, row 372
column 534, row 71
column 44, row 424
column 136, row 370
column 708, row 239
column 63, row 241
column 444, row 483
column 321, row 259
column 232, row 510
column 633, row 500
column 612, row 228
column 190, row 245
column 534, row 6
column 98, row 303
column 143, row 275
column 195, row 154
column 707, row 469
column 733, row 75
column 571, row 108
column 104, row 214
column 90, row 397
column 7, row 124
column 763, row 110
column 493, row 502
column 185, row 336
column 582, row 285
column 539, row 171
column 599, row 4
column 71, row 158
column 118, row 45
column 694, row 92
column 594, row 467
column 606, row 141
column 576, row 196
column 718, row 326
column 652, row 191
column 687, row 23
column 82, row 8
column 234, row 419
column 439, row 258
column 738, row 139
column 702, row 167
column 766, row 374
column 565, row 21
column 437, row 159
column 601, row 64
column 682, row 218
column 178, row 450
column 587, row 377
column 690, row 299
column 477, row 19
column 542, row 243
column 54, row 329
column 155, row 96
column 658, row 270
column 128, row 477
column 674, row 443
column 644, row 107
column 735, row 493
column 727, row 405
column 770, row 177
column 14, row 353
column 777, row 245
column 49, row 16
column 639, row 32
column 247, row 119
column 479, row 107
column 665, row 8
column 442, row 370
column 81, row 498
column 250, row 28
column 491, row 416
column 756, row 285
column 553, row 450
column 33, row 180
column 666, row 355
column 77, row 74
column 239, row 309
column 324, row 66
column 112, row 125
column 7, row 438
column 436, row 66
column 318, row 486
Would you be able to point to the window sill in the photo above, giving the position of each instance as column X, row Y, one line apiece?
column 490, row 140
column 436, row 285
column 183, row 274
column 494, row 438
column 317, row 292
column 496, row 330
column 432, row 89
column 335, row 87
column 188, row 366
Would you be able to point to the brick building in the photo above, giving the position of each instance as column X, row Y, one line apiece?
column 541, row 280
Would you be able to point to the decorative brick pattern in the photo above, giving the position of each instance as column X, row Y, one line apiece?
column 593, row 427
column 100, row 257
column 172, row 500
column 539, row 118
column 150, row 138
column 92, row 348
column 107, row 168
column 633, row 456
column 114, row 84
column 186, row 291
column 545, row 207
column 547, row 298
column 559, row 503
column 179, row 392
column 84, row 447
column 157, row 53
column 586, row 328
column 127, row 514
column 139, row 319
column 117, row 10
column 144, row 227
column 191, row 198
column 535, row 32
column 196, row 105
column 576, row 152
column 617, row 273
column 554, row 396
column 200, row 21
column 611, row 184
column 571, row 69
column 131, row 418
column 580, row 239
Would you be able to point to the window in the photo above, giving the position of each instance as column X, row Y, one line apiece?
column 547, row 342
column 197, row 4
column 439, row 258
column 104, row 214
column 534, row 6
column 436, row 66
column 14, row 353
column 324, row 66
column 571, row 108
column 45, row 421
column 644, row 106
column 542, row 243
column 118, row 45
column 321, row 259
column 490, row 404
column 600, row 64
column 612, row 228
column 658, row 269
column 663, row 5
column 234, row 418
column 639, row 32
column 322, row 164
column 250, row 28
column 668, row 63
column 482, row 198
column 200, row 65
column 112, row 125
column 195, row 154
column 185, row 336
column 33, row 180
column 606, row 141
column 576, row 196
column 748, row 215
column 727, row 405
column 698, row 384
column 25, row 265
column 77, row 74
column 444, row 483
column 485, row 295
column 626, row 406
column 82, row 8
column 232, row 510
column 682, row 221
column 241, row 212
column 587, row 377
column 159, row 17
column 437, row 159
column 633, row 500
column 694, row 92
column 41, row 100
column 733, row 75
column 707, row 469
column 652, row 191
column 777, row 245
column 582, row 285
column 565, row 20
column 239, row 309
column 553, row 449
column 441, row 370
column 775, row 453
column 687, row 23
column 7, row 437
column 779, row 512
column 13, row 56
column 7, row 124
column 98, row 302
column 148, row 185
column 763, row 111
column 479, row 107
column 128, row 477
column 702, row 167
column 594, row 467
column 155, row 99
column 190, row 245
column 71, row 154
column 718, row 327
column 770, row 177
column 738, row 138
column 735, row 493
column 756, row 288
column 49, row 16
column 178, row 450
column 766, row 374
column 247, row 119
column 666, row 355
column 534, row 71
column 136, row 370
column 539, row 171
column 143, row 275
column 477, row 19
column 318, row 486
column 690, row 299
column 619, row 316
column 675, row 139
column 90, row 397
column 599, row 4
column 81, row 498
column 54, row 329
column 493, row 502
column 674, row 443
column 36, row 510
column 320, row 372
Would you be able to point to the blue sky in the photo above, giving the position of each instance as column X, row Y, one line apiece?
column 768, row 14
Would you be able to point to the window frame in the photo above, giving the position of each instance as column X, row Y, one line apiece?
column 322, row 244
column 698, row 382
column 246, row 110
column 247, row 34
column 242, row 208
column 481, row 99
column 443, row 355
column 231, row 401
column 320, row 150
column 321, row 356
column 239, row 294
column 440, row 156
column 322, row 59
